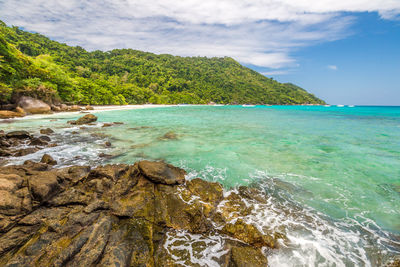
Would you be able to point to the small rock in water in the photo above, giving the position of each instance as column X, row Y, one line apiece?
column 18, row 134
column 107, row 125
column 118, row 122
column 46, row 131
column 47, row 159
column 25, row 151
column 87, row 119
column 104, row 155
column 169, row 136
column 38, row 142
column 107, row 144
column 45, row 138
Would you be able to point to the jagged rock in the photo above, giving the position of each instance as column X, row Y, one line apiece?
column 160, row 172
column 33, row 106
column 44, row 185
column 112, row 215
column 18, row 134
column 47, row 159
column 249, row 234
column 89, row 118
column 46, row 131
column 246, row 257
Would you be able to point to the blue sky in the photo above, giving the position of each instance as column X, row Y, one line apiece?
column 345, row 52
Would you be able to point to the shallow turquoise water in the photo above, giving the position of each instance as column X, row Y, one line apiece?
column 342, row 163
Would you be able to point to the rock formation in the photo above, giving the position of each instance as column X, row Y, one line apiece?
column 119, row 215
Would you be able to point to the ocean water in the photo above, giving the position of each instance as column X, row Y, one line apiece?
column 331, row 174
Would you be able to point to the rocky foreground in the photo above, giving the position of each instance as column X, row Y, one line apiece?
column 120, row 215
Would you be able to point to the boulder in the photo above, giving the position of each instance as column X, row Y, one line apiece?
column 74, row 108
column 38, row 142
column 46, row 131
column 47, row 159
column 163, row 173
column 33, row 106
column 89, row 118
column 18, row 135
column 44, row 185
column 7, row 114
column 55, row 108
column 63, row 107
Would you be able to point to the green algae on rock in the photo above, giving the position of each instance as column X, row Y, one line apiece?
column 118, row 215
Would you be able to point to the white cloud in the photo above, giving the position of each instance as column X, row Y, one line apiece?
column 257, row 32
column 332, row 67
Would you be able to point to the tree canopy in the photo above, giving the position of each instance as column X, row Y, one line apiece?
column 32, row 64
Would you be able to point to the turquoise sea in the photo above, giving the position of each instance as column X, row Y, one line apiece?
column 331, row 174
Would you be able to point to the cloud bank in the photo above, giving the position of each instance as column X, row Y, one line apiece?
column 262, row 33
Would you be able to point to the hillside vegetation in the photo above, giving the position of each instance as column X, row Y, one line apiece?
column 32, row 64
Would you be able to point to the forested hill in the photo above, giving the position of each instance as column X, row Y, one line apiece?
column 32, row 64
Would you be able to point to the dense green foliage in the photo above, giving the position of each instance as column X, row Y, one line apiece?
column 35, row 65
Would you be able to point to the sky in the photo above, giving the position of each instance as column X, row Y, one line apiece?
column 343, row 51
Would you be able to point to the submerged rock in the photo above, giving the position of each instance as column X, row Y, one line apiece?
column 113, row 215
column 169, row 136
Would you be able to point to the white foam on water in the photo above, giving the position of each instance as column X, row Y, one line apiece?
column 312, row 238
column 187, row 249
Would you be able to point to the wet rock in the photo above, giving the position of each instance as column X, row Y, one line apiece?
column 46, row 131
column 112, row 215
column 5, row 152
column 44, row 138
column 33, row 106
column 118, row 122
column 25, row 151
column 107, row 144
column 163, row 173
column 38, row 142
column 249, row 234
column 107, row 125
column 247, row 257
column 104, row 155
column 47, row 159
column 18, row 135
column 87, row 119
